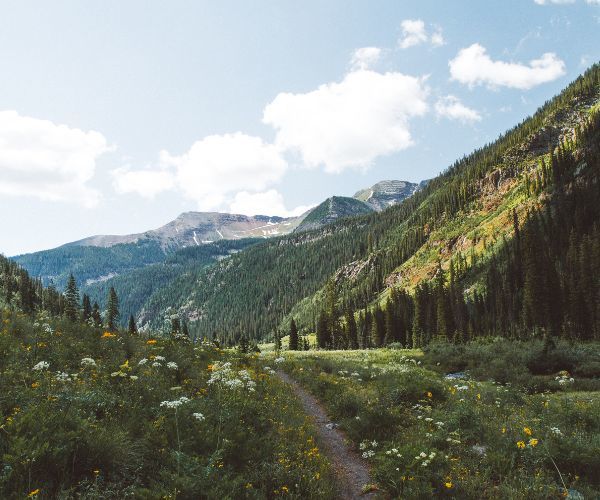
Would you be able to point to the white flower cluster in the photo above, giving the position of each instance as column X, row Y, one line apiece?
column 224, row 376
column 199, row 417
column 171, row 365
column 42, row 365
column 279, row 360
column 428, row 458
column 394, row 451
column 563, row 378
column 88, row 363
column 176, row 403
column 269, row 370
column 63, row 377
column 142, row 362
column 368, row 448
column 556, row 431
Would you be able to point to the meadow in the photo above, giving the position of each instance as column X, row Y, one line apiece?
column 429, row 433
column 87, row 413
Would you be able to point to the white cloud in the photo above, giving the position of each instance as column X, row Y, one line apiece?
column 593, row 2
column 365, row 57
column 450, row 107
column 350, row 123
column 219, row 165
column 558, row 2
column 147, row 183
column 266, row 203
column 473, row 66
column 51, row 162
column 415, row 33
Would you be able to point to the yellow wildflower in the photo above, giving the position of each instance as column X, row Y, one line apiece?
column 520, row 444
column 35, row 385
column 151, row 341
column 527, row 431
column 448, row 484
column 533, row 442
column 429, row 395
column 34, row 493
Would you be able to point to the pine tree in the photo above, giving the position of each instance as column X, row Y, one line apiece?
column 352, row 330
column 96, row 317
column 293, row 344
column 112, row 310
column 184, row 329
column 175, row 326
column 323, row 336
column 132, row 328
column 71, row 299
column 86, row 312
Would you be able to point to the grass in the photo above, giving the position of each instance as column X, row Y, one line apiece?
column 91, row 414
column 428, row 436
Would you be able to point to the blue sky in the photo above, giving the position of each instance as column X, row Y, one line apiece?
column 117, row 116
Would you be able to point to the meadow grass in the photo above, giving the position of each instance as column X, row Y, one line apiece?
column 86, row 413
column 428, row 436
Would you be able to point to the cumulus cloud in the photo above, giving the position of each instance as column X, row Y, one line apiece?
column 350, row 123
column 147, row 182
column 365, row 57
column 265, row 203
column 51, row 162
column 473, row 66
column 450, row 107
column 414, row 33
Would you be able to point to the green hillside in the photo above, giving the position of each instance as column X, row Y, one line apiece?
column 331, row 210
column 466, row 211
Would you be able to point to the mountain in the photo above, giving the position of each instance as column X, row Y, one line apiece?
column 197, row 228
column 459, row 226
column 332, row 209
column 385, row 194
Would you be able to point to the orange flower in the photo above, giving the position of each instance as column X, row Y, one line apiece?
column 35, row 385
column 210, row 368
column 151, row 342
column 108, row 335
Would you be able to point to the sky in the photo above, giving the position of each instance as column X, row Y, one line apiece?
column 117, row 116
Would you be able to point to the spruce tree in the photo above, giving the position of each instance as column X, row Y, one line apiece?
column 71, row 299
column 96, row 317
column 323, row 337
column 352, row 330
column 86, row 312
column 293, row 344
column 112, row 310
column 132, row 328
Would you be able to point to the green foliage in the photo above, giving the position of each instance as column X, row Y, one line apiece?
column 91, row 414
column 431, row 437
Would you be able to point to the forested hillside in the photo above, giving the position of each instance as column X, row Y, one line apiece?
column 467, row 216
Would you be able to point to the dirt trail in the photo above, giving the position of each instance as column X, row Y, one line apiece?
column 352, row 472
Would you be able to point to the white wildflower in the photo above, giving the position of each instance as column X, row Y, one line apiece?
column 199, row 416
column 142, row 361
column 176, row 403
column 62, row 377
column 171, row 365
column 280, row 359
column 88, row 362
column 42, row 365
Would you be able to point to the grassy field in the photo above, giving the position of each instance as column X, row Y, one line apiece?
column 86, row 413
column 428, row 435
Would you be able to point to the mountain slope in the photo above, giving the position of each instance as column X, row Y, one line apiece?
column 385, row 194
column 467, row 208
column 332, row 209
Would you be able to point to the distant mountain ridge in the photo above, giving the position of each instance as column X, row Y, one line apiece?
column 332, row 209
column 385, row 194
column 197, row 228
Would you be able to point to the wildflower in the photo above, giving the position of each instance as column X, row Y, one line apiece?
column 448, row 484
column 198, row 416
column 62, row 377
column 35, row 385
column 142, row 361
column 520, row 444
column 133, row 377
column 88, row 362
column 34, row 493
column 42, row 365
column 527, row 431
column 429, row 395
column 159, row 358
column 107, row 335
column 280, row 359
column 556, row 431
column 533, row 442
column 176, row 403
column 151, row 341
column 156, row 364
column 171, row 365
column 368, row 454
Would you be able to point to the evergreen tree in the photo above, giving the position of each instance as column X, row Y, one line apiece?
column 96, row 317
column 352, row 330
column 175, row 326
column 71, row 299
column 86, row 312
column 184, row 329
column 323, row 336
column 132, row 328
column 293, row 344
column 112, row 310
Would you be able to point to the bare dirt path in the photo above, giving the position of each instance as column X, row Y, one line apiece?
column 351, row 471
